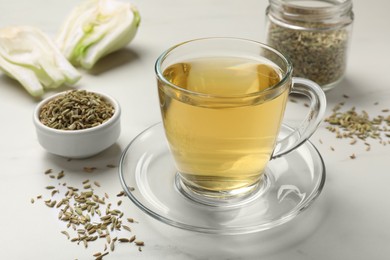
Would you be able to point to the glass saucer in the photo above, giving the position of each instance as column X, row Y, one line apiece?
column 147, row 174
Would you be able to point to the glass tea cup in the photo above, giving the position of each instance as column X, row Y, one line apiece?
column 222, row 102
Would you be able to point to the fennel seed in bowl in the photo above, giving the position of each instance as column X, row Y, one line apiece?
column 76, row 110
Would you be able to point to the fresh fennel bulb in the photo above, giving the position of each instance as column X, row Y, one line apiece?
column 96, row 28
column 32, row 58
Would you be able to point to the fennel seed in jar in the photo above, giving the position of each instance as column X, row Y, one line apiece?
column 319, row 56
column 314, row 34
column 76, row 110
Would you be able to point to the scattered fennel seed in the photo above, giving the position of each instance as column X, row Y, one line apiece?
column 139, row 243
column 126, row 227
column 60, row 175
column 132, row 239
column 88, row 215
column 120, row 194
column 358, row 125
column 89, row 169
column 66, row 234
column 101, row 256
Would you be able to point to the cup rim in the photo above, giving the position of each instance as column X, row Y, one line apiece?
column 107, row 123
column 282, row 82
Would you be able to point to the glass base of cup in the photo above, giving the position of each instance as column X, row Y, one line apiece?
column 230, row 199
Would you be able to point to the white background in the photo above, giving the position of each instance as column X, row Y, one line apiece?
column 351, row 218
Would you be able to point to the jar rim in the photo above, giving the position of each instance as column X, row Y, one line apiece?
column 339, row 11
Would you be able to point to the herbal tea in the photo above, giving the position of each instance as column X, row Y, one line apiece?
column 221, row 143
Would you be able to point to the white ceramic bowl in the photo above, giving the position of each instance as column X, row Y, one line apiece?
column 78, row 143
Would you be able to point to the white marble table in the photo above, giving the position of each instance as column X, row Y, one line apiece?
column 350, row 219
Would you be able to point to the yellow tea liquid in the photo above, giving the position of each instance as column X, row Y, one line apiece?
column 221, row 144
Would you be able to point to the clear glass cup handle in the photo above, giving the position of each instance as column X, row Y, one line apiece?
column 316, row 113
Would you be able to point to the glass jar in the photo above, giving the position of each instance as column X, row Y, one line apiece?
column 314, row 34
